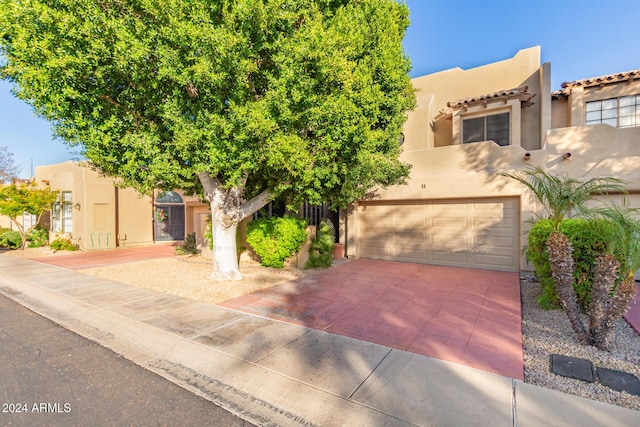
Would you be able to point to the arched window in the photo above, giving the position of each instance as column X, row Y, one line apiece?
column 169, row 197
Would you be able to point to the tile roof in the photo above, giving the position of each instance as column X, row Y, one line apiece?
column 495, row 96
column 597, row 81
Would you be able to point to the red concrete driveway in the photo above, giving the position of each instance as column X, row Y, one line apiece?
column 91, row 259
column 467, row 316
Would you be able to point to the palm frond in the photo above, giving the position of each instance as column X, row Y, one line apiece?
column 560, row 194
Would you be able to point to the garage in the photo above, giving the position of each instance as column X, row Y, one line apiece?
column 474, row 233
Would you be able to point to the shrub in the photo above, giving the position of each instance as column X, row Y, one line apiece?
column 321, row 249
column 37, row 237
column 11, row 239
column 62, row 244
column 276, row 239
column 189, row 247
column 587, row 243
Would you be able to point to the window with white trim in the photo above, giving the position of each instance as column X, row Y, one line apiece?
column 62, row 213
column 487, row 128
column 29, row 220
column 622, row 112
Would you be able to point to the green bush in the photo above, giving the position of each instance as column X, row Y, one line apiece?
column 189, row 247
column 276, row 239
column 37, row 237
column 321, row 249
column 587, row 242
column 61, row 244
column 11, row 239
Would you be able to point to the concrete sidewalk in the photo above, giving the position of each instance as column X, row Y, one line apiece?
column 274, row 373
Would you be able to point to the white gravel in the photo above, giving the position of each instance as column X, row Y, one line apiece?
column 547, row 332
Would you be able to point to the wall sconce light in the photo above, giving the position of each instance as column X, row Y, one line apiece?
column 566, row 156
column 527, row 156
column 77, row 206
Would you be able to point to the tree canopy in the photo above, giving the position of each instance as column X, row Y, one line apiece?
column 15, row 200
column 306, row 98
column 237, row 100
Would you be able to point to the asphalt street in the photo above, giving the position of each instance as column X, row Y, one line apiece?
column 50, row 376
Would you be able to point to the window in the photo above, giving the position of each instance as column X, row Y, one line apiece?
column 28, row 220
column 486, row 128
column 623, row 112
column 62, row 213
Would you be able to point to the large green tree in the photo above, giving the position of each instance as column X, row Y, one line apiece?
column 240, row 101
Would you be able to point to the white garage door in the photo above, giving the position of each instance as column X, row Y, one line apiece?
column 476, row 233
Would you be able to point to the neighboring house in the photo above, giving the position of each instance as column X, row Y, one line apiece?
column 470, row 125
column 96, row 214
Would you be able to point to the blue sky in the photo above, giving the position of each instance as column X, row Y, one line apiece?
column 581, row 39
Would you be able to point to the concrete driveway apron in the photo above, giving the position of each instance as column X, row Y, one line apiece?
column 466, row 316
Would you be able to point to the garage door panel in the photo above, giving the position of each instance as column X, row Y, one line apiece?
column 509, row 223
column 480, row 233
column 449, row 209
column 414, row 252
column 449, row 222
column 492, row 242
column 375, row 248
column 449, row 258
column 492, row 260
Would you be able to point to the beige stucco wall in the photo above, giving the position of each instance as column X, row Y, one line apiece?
column 444, row 169
column 135, row 217
column 105, row 216
column 425, row 129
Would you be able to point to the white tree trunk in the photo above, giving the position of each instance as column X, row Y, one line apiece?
column 225, row 216
column 225, row 254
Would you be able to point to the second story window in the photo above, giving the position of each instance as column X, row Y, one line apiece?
column 487, row 128
column 623, row 112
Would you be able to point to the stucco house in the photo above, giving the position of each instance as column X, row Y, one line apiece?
column 470, row 125
column 96, row 214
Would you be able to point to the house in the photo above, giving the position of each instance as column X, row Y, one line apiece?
column 96, row 214
column 470, row 125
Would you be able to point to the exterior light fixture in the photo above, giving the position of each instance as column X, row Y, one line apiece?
column 77, row 206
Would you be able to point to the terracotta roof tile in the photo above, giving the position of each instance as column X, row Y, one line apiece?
column 495, row 96
column 597, row 81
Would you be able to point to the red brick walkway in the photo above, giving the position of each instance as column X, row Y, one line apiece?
column 80, row 260
column 467, row 316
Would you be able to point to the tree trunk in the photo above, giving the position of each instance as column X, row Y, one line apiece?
column 225, row 255
column 561, row 262
column 227, row 210
column 23, row 233
column 604, row 278
column 617, row 307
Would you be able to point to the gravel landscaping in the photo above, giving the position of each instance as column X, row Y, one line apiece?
column 547, row 332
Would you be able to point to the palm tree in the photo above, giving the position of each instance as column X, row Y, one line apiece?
column 614, row 286
column 561, row 196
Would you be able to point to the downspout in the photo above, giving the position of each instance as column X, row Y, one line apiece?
column 346, row 232
column 117, row 207
column 153, row 216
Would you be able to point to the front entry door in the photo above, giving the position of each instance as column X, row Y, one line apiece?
column 169, row 222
